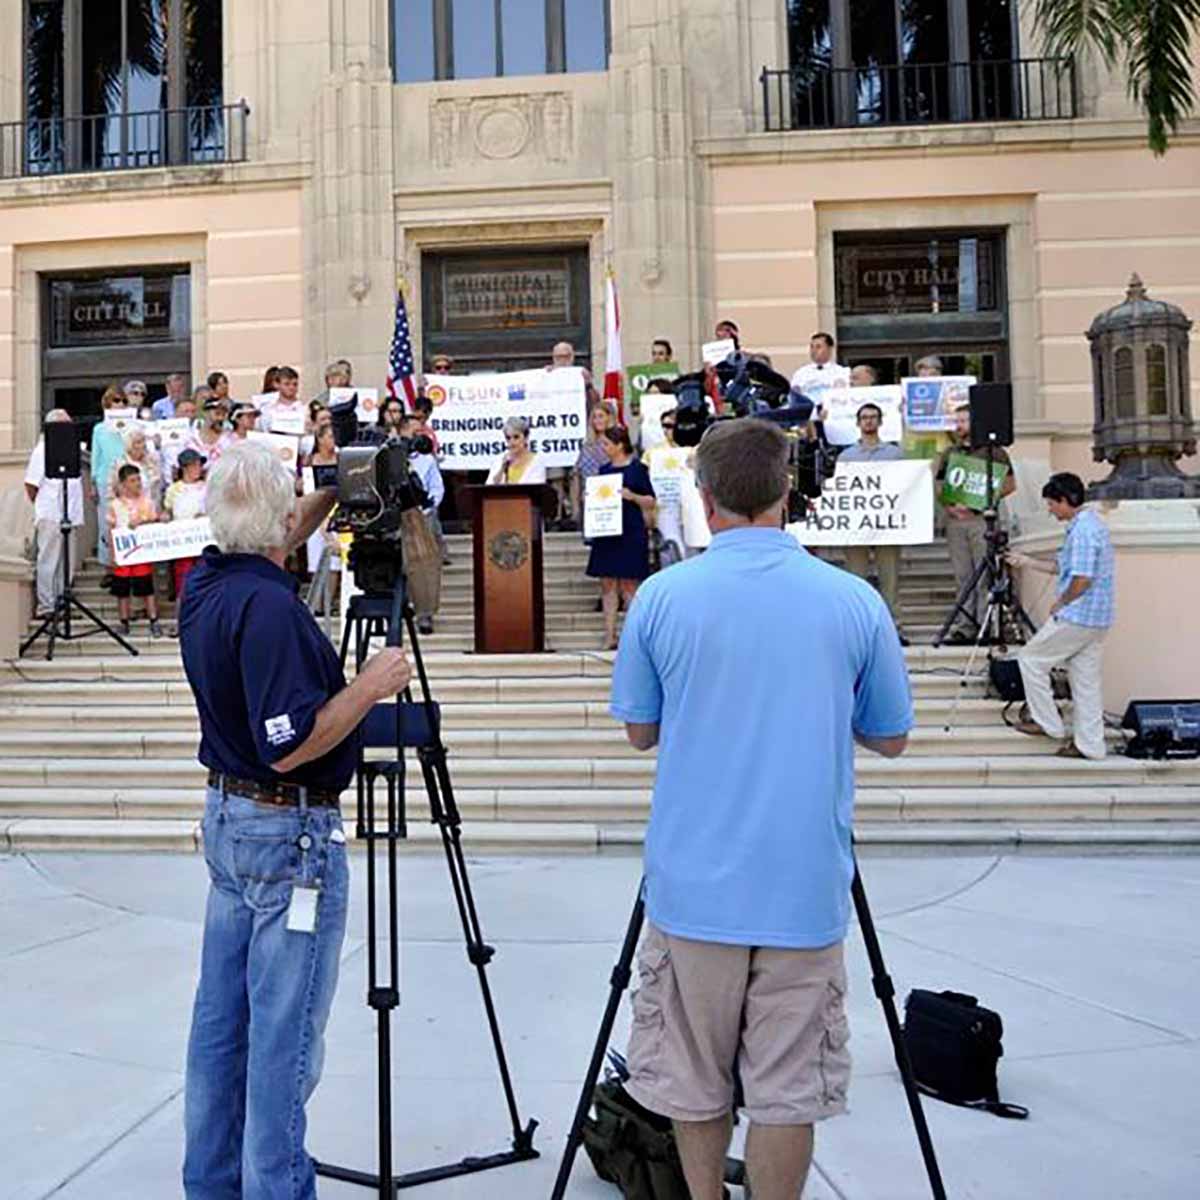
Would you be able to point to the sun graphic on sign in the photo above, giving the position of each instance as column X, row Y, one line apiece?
column 436, row 394
column 672, row 463
column 606, row 491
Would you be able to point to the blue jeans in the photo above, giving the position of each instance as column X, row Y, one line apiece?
column 258, row 1027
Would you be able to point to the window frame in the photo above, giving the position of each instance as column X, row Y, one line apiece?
column 443, row 38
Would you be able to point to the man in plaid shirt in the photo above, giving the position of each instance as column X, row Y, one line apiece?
column 1079, row 618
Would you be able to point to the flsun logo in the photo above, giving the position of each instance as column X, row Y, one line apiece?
column 516, row 391
column 436, row 394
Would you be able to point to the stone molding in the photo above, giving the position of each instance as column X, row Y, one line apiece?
column 490, row 128
column 1161, row 525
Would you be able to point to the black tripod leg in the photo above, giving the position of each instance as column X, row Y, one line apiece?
column 960, row 604
column 886, row 992
column 622, row 973
column 37, row 633
column 104, row 626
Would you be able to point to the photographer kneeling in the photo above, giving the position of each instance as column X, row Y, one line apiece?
column 748, row 850
column 277, row 725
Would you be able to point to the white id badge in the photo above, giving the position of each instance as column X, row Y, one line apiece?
column 302, row 913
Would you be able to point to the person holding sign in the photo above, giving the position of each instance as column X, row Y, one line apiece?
column 622, row 561
column 130, row 508
column 212, row 439
column 288, row 413
column 137, row 453
column 870, row 448
column 244, row 419
column 184, row 501
column 107, row 448
column 591, row 455
column 518, row 464
column 961, row 474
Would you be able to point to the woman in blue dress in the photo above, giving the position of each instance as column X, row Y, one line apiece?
column 621, row 563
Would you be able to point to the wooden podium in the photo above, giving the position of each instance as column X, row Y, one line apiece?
column 510, row 607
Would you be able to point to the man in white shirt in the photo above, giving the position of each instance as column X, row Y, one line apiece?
column 45, row 494
column 425, row 468
column 823, row 371
column 288, row 414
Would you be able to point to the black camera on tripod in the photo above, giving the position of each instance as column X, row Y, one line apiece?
column 375, row 486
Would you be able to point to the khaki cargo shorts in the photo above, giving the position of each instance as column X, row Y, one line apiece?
column 780, row 1014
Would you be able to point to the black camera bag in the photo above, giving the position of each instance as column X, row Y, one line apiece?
column 955, row 1045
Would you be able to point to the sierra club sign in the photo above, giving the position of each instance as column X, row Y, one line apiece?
column 469, row 412
column 965, row 481
column 871, row 504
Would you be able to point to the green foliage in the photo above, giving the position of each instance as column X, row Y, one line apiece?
column 1150, row 38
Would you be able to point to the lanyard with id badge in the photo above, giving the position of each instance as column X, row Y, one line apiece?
column 302, row 911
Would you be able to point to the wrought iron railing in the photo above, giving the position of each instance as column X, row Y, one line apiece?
column 1017, row 89
column 162, row 137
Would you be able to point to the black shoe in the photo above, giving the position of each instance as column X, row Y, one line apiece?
column 106, row 582
column 156, row 630
column 425, row 625
column 904, row 641
column 125, row 628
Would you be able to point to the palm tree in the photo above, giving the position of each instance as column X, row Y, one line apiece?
column 1150, row 38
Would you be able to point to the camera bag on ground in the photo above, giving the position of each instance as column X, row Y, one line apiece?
column 955, row 1045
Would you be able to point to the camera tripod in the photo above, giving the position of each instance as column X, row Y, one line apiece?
column 57, row 624
column 398, row 726
column 884, row 989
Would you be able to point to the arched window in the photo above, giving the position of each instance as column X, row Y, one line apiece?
column 1126, row 397
column 1156, row 379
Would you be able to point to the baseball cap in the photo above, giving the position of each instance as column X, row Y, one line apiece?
column 215, row 402
column 189, row 456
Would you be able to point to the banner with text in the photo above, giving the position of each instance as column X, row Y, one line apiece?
column 966, row 481
column 841, row 412
column 469, row 412
column 161, row 542
column 930, row 401
column 871, row 504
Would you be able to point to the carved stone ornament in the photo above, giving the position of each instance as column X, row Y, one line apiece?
column 360, row 285
column 537, row 125
column 509, row 550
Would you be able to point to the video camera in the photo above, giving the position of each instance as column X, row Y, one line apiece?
column 376, row 485
column 750, row 388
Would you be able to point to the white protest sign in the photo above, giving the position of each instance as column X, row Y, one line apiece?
column 284, row 445
column 841, row 412
column 930, row 401
column 715, row 352
column 287, row 419
column 160, row 542
column 602, row 512
column 123, row 420
column 871, row 504
column 172, row 432
column 309, row 481
column 696, row 532
column 469, row 412
column 264, row 400
column 654, row 404
column 368, row 405
column 668, row 465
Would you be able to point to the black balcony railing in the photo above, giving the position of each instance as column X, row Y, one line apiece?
column 163, row 137
column 1017, row 89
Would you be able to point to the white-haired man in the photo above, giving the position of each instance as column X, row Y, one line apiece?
column 45, row 495
column 278, row 736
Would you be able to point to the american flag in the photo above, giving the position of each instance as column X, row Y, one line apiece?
column 400, row 358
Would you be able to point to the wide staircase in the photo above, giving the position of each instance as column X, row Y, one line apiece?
column 97, row 749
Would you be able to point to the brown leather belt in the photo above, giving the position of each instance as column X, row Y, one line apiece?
column 282, row 795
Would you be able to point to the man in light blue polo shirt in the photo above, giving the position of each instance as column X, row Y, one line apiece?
column 755, row 709
column 1080, row 618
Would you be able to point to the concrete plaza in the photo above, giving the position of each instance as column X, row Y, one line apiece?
column 1093, row 962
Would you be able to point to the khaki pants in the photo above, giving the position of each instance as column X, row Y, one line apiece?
column 1081, row 648
column 966, row 543
column 49, row 562
column 887, row 567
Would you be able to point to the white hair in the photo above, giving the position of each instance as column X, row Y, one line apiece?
column 250, row 494
column 132, row 434
column 58, row 414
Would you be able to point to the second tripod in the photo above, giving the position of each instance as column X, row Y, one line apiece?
column 395, row 728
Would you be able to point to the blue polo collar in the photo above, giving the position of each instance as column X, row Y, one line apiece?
column 752, row 535
column 249, row 564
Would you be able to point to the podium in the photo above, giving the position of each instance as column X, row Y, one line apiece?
column 510, row 606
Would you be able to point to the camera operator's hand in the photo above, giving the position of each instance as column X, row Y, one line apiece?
column 1014, row 559
column 959, row 511
column 386, row 673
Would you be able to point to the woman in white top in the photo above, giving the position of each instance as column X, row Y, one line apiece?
column 518, row 464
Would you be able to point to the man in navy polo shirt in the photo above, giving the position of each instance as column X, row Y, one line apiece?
column 748, row 851
column 277, row 725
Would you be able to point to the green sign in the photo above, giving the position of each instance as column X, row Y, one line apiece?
column 639, row 380
column 965, row 481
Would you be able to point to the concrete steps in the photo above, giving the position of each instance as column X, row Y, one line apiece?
column 97, row 749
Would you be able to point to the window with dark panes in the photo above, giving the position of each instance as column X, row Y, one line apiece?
column 481, row 39
column 872, row 62
column 122, row 83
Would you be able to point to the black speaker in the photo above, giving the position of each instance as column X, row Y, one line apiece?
column 63, row 459
column 992, row 414
column 1163, row 728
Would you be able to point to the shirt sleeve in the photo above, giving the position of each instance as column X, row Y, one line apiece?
column 282, row 677
column 35, row 469
column 883, row 705
column 636, row 687
column 434, row 484
column 642, row 482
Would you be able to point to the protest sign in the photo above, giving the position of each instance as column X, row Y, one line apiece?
column 469, row 412
column 173, row 432
column 715, row 352
column 929, row 402
column 871, row 504
column 965, row 481
column 602, row 512
column 287, row 419
column 639, row 378
column 264, row 400
column 653, row 407
column 668, row 465
column 696, row 533
column 366, row 402
column 841, row 412
column 160, row 542
column 284, row 445
column 123, row 420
